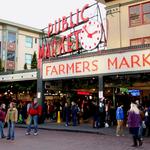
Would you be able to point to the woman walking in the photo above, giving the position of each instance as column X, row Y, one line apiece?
column 11, row 119
column 134, row 122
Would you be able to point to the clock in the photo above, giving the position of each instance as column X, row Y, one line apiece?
column 90, row 35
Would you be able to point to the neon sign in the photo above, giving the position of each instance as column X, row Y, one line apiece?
column 64, row 44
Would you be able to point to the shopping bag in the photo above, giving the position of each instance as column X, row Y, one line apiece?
column 28, row 120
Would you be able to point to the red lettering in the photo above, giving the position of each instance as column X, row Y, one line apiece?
column 112, row 63
column 146, row 60
column 54, row 71
column 95, row 65
column 78, row 67
column 86, row 66
column 77, row 17
column 69, row 43
column 76, row 33
column 70, row 67
column 47, row 70
column 53, row 45
column 57, row 26
column 82, row 11
column 124, row 63
column 61, row 48
column 61, row 69
column 71, row 21
column 42, row 51
column 50, row 29
column 47, row 50
column 135, row 60
column 64, row 24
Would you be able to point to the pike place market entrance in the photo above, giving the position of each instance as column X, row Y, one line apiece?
column 118, row 77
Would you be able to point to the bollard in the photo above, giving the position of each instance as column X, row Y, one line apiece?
column 58, row 117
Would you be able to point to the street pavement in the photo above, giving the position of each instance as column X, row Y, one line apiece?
column 63, row 140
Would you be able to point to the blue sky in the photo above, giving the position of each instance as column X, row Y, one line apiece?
column 38, row 13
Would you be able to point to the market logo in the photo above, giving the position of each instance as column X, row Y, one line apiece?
column 72, row 34
column 90, row 35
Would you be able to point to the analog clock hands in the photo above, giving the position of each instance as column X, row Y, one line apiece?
column 89, row 35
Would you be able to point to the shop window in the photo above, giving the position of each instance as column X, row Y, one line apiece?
column 134, row 42
column 146, row 13
column 139, row 14
column 29, row 42
column 140, row 41
column 28, row 59
column 134, row 15
column 146, row 40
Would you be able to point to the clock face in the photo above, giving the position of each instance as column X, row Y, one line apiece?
column 90, row 35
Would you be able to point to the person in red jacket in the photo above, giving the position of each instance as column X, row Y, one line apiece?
column 2, row 119
column 34, row 111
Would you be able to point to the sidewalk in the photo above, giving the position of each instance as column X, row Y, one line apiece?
column 84, row 128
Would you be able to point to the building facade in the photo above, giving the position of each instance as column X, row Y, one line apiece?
column 18, row 44
column 128, row 22
column 123, row 70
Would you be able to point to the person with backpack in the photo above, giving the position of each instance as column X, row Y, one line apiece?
column 2, row 119
column 34, row 111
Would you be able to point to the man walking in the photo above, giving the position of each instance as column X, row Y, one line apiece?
column 34, row 111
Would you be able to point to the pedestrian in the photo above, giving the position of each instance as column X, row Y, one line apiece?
column 120, row 120
column 66, row 113
column 95, row 115
column 2, row 120
column 101, row 112
column 142, row 126
column 11, row 119
column 134, row 122
column 34, row 111
column 147, row 121
column 74, row 110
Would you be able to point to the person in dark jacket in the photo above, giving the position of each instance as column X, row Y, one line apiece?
column 66, row 114
column 74, row 110
column 134, row 122
column 2, row 119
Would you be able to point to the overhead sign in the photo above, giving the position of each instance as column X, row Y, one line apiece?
column 87, row 36
column 120, row 62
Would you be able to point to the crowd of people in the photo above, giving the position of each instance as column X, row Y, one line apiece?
column 137, row 118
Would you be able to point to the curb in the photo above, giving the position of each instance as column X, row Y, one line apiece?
column 66, row 130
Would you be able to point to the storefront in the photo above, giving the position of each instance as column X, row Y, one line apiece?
column 119, row 77
column 77, row 70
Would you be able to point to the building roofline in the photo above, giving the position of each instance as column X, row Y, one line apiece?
column 29, row 28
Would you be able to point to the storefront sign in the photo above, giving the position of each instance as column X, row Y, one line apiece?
column 120, row 62
column 63, row 44
column 83, row 32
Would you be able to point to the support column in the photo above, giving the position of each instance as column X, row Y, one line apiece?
column 101, row 86
column 40, row 94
